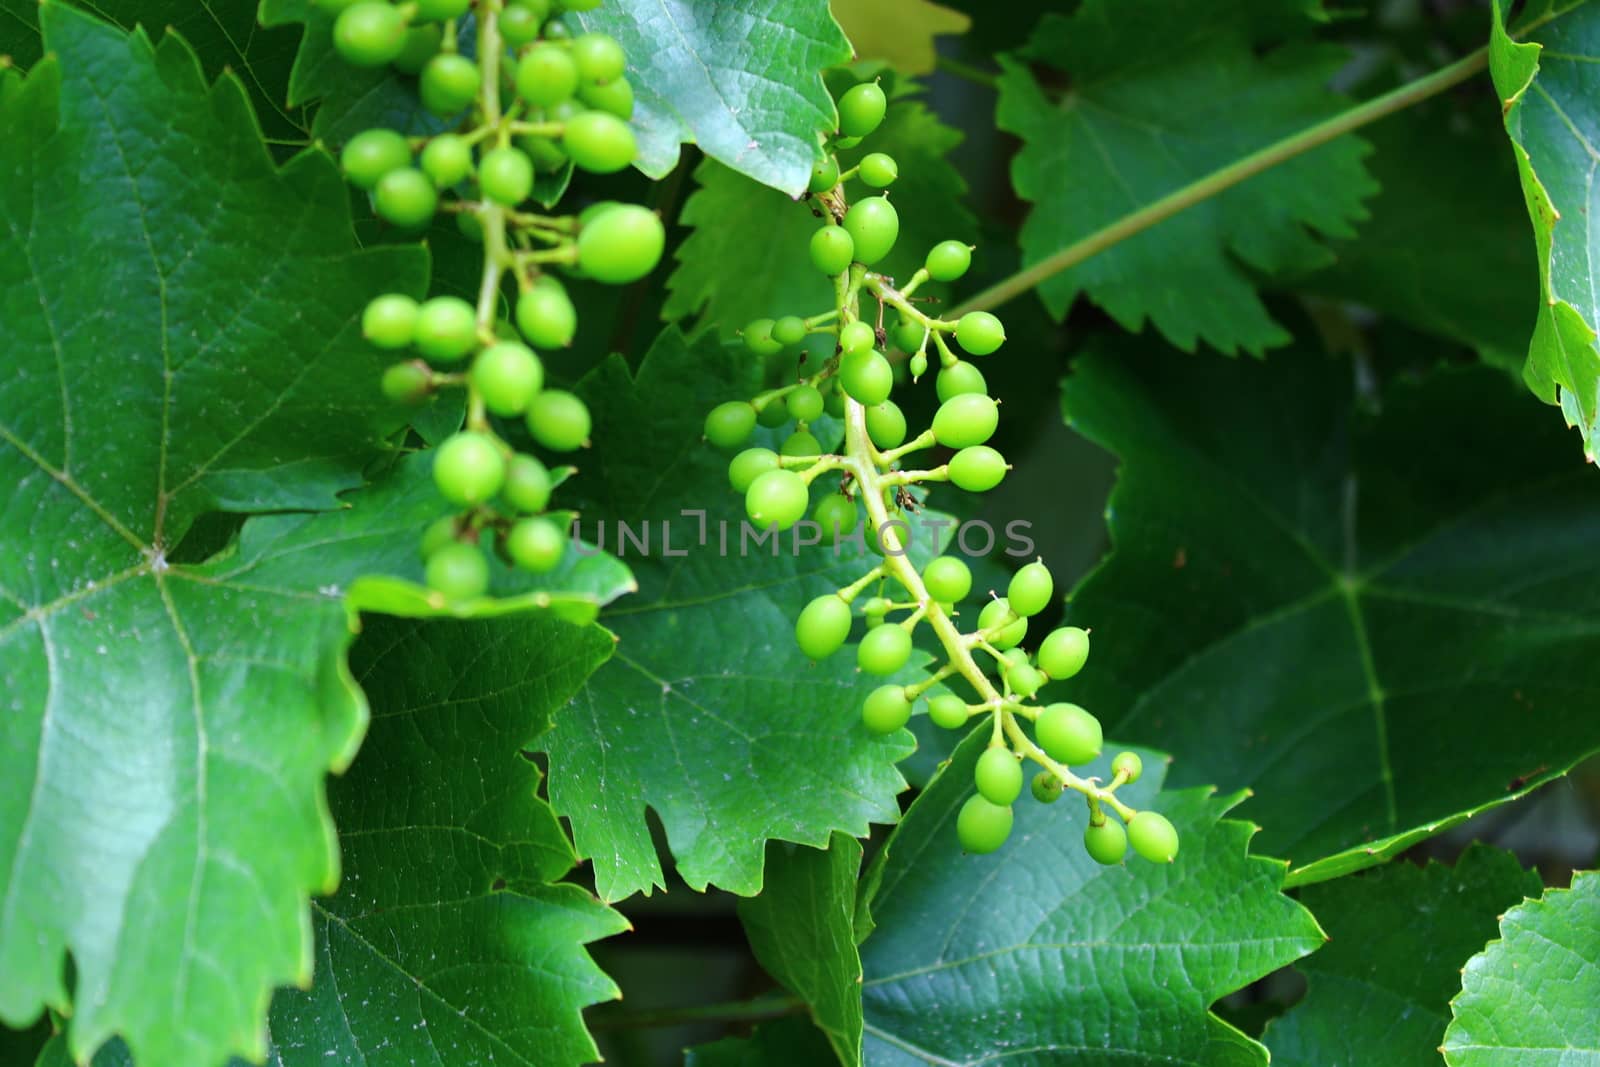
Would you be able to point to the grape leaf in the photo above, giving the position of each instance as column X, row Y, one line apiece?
column 1546, row 87
column 740, row 78
column 780, row 1043
column 899, row 32
column 1146, row 114
column 1528, row 999
column 802, row 930
column 730, row 279
column 708, row 713
column 1039, row 951
column 1329, row 606
column 1379, row 992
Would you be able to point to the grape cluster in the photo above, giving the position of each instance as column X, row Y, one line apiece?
column 855, row 384
column 567, row 104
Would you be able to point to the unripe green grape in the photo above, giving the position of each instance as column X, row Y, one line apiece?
column 458, row 571
column 980, row 332
column 1031, row 589
column 440, row 532
column 505, row 175
column 995, row 613
column 823, row 626
column 406, row 383
column 884, row 650
column 773, row 414
column 947, row 579
column 468, row 468
column 833, row 399
column 977, row 469
column 789, row 330
column 909, row 336
column 519, row 25
column 447, row 329
column 558, row 420
column 543, row 9
column 800, row 444
column 805, row 403
column 832, row 249
column 749, row 465
column 1153, row 837
column 947, row 711
column 621, row 245
column 547, row 156
column 446, row 160
column 1069, row 734
column 598, row 56
column 420, row 45
column 867, row 377
column 449, row 83
column 917, row 365
column 998, row 775
column 861, row 109
column 1024, row 680
column 545, row 314
column 1014, row 656
column 886, row 709
column 405, row 197
column 1107, row 843
column 614, row 97
column 758, row 337
column 1063, row 652
column 878, row 170
column 777, row 498
column 599, row 142
column 1128, row 765
column 390, row 321
column 507, row 376
column 536, row 545
column 558, row 30
column 959, row 379
column 730, row 425
column 874, row 610
column 948, row 260
column 856, row 337
column 874, row 225
column 982, row 827
column 527, row 487
column 1046, row 787
column 966, row 420
column 837, row 515
column 369, row 34
column 371, row 154
column 470, row 225
column 886, row 424
column 824, row 176
column 546, row 75
column 441, row 10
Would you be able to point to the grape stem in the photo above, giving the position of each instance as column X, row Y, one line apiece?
column 496, row 256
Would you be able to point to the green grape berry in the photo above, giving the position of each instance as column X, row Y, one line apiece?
column 777, row 498
column 371, row 154
column 958, row 379
column 909, row 336
column 878, row 170
column 832, row 249
column 1031, row 589
column 947, row 711
column 1128, row 766
column 800, row 444
column 621, row 245
column 446, row 160
column 749, row 465
column 406, row 383
column 824, row 175
column 867, row 377
column 837, row 515
column 536, row 545
column 1063, row 652
column 507, row 376
column 458, row 570
column 886, row 424
column 981, row 826
column 1046, row 787
column 948, row 580
column 390, row 321
column 405, row 197
column 440, row 532
column 614, row 97
column 998, row 775
column 546, row 75
column 441, row 10
column 599, row 142
column 874, row 226
column 874, row 610
column 1153, row 837
column 856, row 336
column 1107, row 843
column 833, row 398
column 789, row 330
column 420, row 45
column 995, row 613
column 758, row 337
column 886, row 709
column 966, row 420
column 598, row 56
column 446, row 329
column 861, row 109
column 805, row 403
column 468, row 468
column 980, row 332
column 948, row 260
column 519, row 25
column 1024, row 680
column 823, row 626
column 527, row 487
column 558, row 420
column 506, row 175
column 977, row 469
column 730, row 425
column 772, row 414
column 545, row 314
column 369, row 34
column 884, row 650
column 1069, row 734
column 449, row 83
